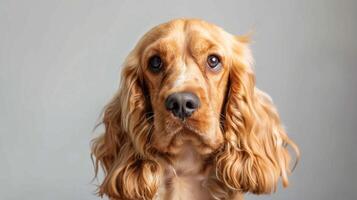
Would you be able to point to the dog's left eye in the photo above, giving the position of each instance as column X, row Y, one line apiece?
column 213, row 62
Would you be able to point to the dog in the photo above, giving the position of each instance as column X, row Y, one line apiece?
column 188, row 121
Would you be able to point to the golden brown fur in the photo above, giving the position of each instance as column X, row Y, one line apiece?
column 234, row 143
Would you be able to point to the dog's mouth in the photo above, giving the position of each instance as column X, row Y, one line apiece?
column 173, row 127
column 181, row 133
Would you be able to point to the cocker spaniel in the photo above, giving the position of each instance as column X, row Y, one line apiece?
column 188, row 122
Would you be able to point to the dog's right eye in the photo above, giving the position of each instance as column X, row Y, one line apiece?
column 155, row 64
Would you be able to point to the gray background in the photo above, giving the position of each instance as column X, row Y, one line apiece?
column 59, row 65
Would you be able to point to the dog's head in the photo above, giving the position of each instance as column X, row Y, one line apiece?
column 190, row 81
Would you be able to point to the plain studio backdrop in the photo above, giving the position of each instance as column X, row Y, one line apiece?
column 60, row 64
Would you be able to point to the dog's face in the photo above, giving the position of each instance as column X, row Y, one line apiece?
column 188, row 81
column 186, row 73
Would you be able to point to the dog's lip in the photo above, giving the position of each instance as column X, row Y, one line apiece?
column 177, row 128
column 176, row 125
column 184, row 128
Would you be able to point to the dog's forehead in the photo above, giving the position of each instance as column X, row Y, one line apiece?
column 193, row 34
column 186, row 26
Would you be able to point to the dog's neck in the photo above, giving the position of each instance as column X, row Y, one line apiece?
column 188, row 162
column 185, row 175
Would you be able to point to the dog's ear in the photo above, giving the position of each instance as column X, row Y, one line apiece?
column 123, row 150
column 255, row 153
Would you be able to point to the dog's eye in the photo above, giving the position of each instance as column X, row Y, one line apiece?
column 155, row 63
column 213, row 62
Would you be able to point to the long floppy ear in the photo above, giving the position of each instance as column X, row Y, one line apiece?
column 255, row 153
column 123, row 150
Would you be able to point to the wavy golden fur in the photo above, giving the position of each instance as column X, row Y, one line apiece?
column 234, row 143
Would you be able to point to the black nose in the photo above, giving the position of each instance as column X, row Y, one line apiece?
column 182, row 104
